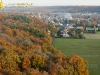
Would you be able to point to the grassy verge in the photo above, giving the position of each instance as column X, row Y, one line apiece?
column 92, row 36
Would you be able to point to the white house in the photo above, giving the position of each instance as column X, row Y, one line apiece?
column 65, row 35
column 90, row 28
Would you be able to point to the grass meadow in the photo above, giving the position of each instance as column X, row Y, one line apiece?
column 89, row 49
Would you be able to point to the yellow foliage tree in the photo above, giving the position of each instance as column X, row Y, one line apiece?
column 26, row 63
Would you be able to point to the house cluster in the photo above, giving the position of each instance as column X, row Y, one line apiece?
column 69, row 28
column 61, row 21
column 65, row 30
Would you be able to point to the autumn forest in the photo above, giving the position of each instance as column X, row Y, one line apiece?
column 26, row 49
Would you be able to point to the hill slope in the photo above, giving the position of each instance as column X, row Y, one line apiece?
column 25, row 49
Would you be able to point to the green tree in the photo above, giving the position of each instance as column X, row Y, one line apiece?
column 38, row 61
column 52, row 28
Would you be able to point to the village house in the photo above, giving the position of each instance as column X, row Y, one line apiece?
column 90, row 28
column 99, row 27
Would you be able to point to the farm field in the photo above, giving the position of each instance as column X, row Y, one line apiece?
column 89, row 49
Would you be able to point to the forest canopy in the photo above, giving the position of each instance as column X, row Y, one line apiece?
column 26, row 49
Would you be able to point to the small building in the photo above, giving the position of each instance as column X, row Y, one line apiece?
column 65, row 35
column 80, row 27
column 99, row 27
column 90, row 28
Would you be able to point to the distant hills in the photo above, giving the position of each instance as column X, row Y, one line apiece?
column 71, row 9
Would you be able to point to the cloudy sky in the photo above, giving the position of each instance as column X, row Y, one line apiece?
column 56, row 2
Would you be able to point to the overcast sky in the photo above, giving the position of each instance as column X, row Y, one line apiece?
column 56, row 2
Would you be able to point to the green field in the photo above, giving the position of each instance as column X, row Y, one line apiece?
column 89, row 49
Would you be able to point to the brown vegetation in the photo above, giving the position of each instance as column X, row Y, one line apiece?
column 26, row 49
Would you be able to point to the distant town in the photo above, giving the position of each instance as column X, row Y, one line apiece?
column 68, row 23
